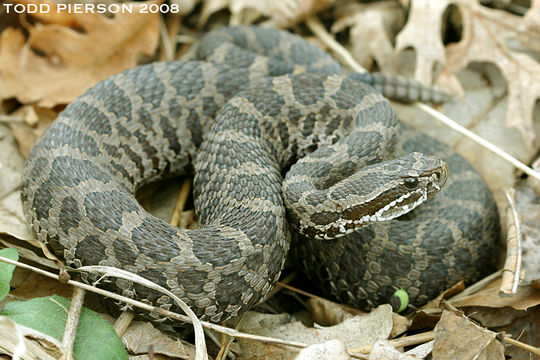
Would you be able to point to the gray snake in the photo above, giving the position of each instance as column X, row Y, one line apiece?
column 262, row 104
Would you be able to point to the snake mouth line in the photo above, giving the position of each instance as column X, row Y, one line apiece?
column 396, row 208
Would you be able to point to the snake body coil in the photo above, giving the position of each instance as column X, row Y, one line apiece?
column 238, row 120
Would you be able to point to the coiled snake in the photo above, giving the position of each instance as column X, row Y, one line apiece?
column 262, row 99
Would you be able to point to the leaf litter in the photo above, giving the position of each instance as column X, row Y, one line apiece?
column 493, row 67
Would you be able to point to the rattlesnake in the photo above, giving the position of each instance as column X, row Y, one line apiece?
column 261, row 100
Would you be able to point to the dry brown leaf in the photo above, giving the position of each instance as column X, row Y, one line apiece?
column 458, row 338
column 140, row 335
column 12, row 220
column 51, row 17
column 281, row 13
column 521, row 325
column 328, row 313
column 36, row 120
column 72, row 61
column 526, row 297
column 27, row 284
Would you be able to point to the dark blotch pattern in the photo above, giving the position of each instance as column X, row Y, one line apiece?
column 106, row 207
column 137, row 126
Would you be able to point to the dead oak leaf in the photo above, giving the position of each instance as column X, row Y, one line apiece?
column 422, row 32
column 56, row 63
column 486, row 35
column 281, row 13
column 372, row 27
column 458, row 338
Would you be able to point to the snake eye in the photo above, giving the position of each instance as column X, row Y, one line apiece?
column 411, row 183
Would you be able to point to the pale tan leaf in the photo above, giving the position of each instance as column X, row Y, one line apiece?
column 422, row 32
column 22, row 342
column 525, row 298
column 70, row 61
column 486, row 35
column 281, row 13
column 333, row 349
column 371, row 28
column 300, row 11
column 354, row 332
column 12, row 220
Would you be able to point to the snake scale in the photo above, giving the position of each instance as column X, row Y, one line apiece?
column 280, row 137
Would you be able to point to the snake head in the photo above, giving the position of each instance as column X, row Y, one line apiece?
column 375, row 193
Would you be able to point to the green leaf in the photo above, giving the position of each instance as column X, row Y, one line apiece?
column 95, row 339
column 6, row 270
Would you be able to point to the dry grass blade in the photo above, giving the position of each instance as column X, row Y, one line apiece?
column 401, row 342
column 531, row 349
column 512, row 265
column 166, row 313
column 477, row 139
column 180, row 202
column 72, row 322
column 200, row 345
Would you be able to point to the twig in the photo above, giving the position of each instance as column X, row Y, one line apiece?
column 480, row 284
column 180, row 202
column 169, row 30
column 512, row 264
column 401, row 342
column 342, row 54
column 157, row 310
column 11, row 119
column 167, row 51
column 123, row 322
column 226, row 341
column 531, row 349
column 200, row 345
column 486, row 144
column 70, row 331
column 346, row 58
column 161, row 311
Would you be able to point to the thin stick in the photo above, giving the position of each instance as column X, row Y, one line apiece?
column 172, row 25
column 157, row 310
column 346, row 58
column 486, row 144
column 401, row 342
column 163, row 312
column 531, row 349
column 122, row 323
column 512, row 264
column 480, row 284
column 70, row 331
column 342, row 54
column 180, row 202
column 167, row 51
column 11, row 119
